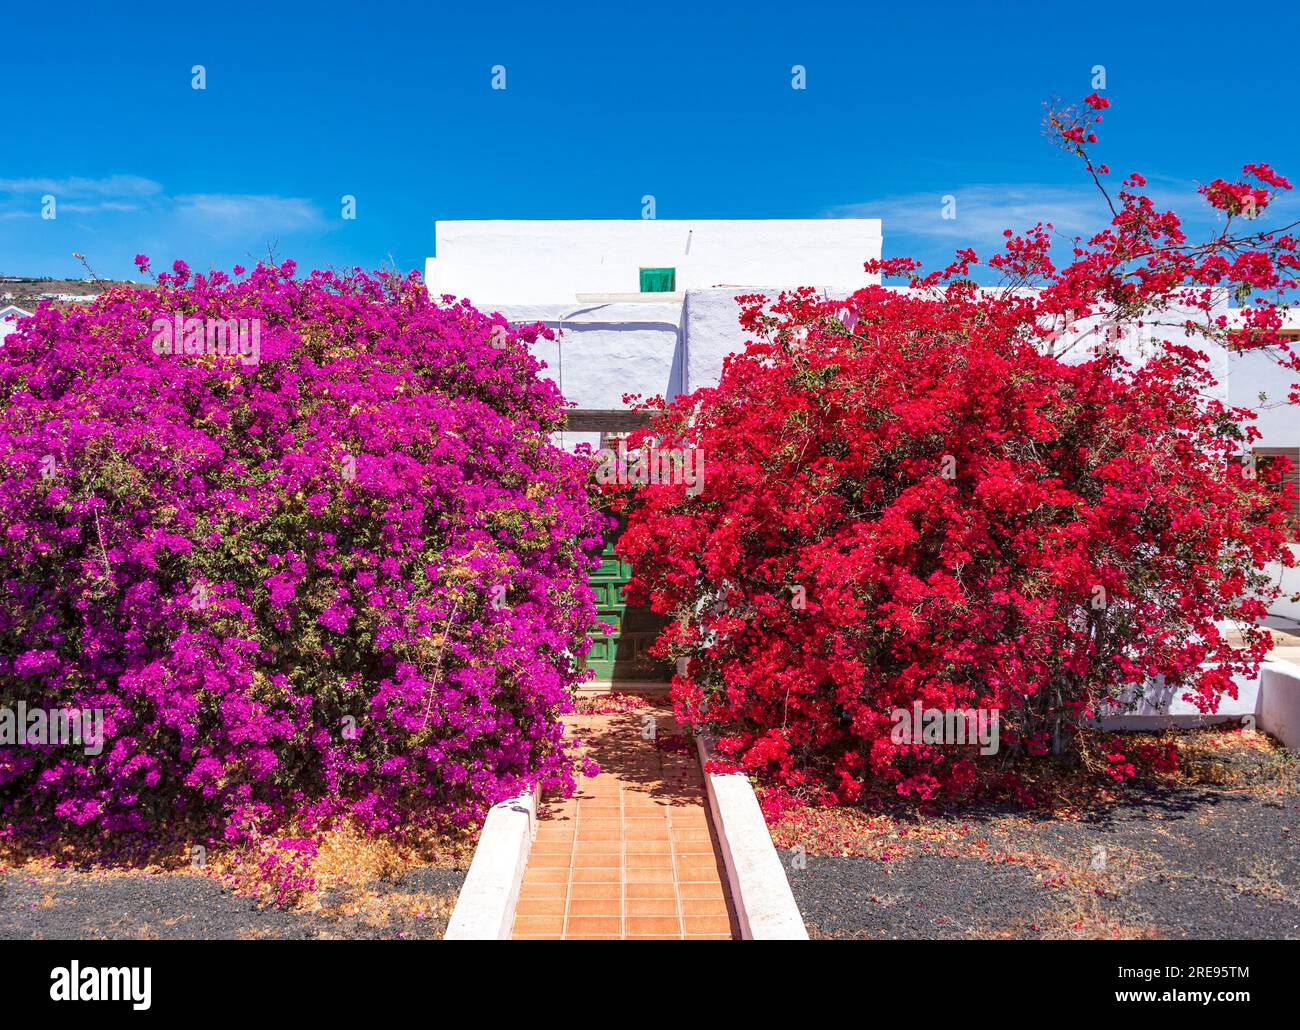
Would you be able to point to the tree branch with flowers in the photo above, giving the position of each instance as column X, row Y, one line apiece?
column 924, row 496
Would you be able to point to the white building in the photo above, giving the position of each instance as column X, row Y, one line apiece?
column 648, row 307
column 8, row 315
column 645, row 306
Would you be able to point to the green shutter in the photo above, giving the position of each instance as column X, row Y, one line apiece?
column 658, row 280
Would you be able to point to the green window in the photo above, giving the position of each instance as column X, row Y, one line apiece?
column 658, row 280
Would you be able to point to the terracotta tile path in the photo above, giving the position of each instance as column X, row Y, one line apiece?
column 633, row 855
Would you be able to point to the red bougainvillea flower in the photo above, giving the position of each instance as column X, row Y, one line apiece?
column 936, row 496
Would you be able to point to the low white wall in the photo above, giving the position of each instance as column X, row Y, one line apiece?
column 1163, row 705
column 1272, row 698
column 485, row 907
column 765, row 905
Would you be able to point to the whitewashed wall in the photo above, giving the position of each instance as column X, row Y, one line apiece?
column 1252, row 374
column 603, row 351
column 652, row 344
column 1138, row 343
column 712, row 331
column 1255, row 381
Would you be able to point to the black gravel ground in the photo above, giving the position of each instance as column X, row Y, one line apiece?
column 1188, row 863
column 66, row 905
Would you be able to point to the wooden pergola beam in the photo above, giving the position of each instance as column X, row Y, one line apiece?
column 607, row 420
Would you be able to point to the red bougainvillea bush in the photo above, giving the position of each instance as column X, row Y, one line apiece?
column 335, row 569
column 911, row 497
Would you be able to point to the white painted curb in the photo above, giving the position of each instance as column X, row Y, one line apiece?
column 485, row 907
column 764, row 902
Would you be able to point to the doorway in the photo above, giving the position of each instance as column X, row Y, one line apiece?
column 622, row 655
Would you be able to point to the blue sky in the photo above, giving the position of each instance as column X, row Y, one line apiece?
column 392, row 104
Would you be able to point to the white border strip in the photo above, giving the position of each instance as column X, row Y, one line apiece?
column 485, row 907
column 764, row 902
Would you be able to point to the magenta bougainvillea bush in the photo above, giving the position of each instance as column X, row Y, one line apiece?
column 304, row 542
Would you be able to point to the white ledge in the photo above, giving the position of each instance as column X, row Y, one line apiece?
column 765, row 905
column 485, row 907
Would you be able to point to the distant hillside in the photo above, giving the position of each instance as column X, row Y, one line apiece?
column 27, row 292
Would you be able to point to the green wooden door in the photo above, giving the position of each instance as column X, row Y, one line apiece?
column 621, row 655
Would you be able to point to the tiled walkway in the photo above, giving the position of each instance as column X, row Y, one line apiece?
column 632, row 856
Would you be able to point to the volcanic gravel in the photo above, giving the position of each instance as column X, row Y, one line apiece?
column 1190, row 863
column 67, row 905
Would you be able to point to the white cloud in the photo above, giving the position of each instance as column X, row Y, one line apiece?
column 913, row 225
column 984, row 210
column 225, row 215
column 76, row 187
column 114, row 217
column 234, row 214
